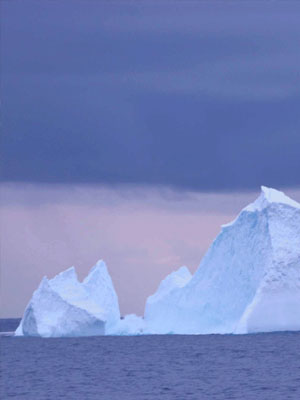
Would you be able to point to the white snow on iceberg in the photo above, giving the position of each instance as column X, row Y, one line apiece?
column 63, row 306
column 248, row 281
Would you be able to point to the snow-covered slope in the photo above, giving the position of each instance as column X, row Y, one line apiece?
column 63, row 306
column 248, row 281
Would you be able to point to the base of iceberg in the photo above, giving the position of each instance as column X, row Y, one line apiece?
column 130, row 325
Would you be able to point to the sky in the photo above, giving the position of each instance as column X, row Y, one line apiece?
column 126, row 124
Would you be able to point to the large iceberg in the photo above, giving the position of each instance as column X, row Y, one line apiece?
column 63, row 306
column 248, row 281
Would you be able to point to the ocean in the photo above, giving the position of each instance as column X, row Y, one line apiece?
column 170, row 367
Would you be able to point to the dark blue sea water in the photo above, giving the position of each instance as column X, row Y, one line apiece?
column 263, row 366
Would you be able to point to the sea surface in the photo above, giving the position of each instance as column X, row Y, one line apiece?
column 261, row 366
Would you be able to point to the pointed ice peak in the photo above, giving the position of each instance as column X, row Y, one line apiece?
column 97, row 271
column 269, row 196
column 44, row 284
column 101, row 290
column 180, row 276
column 276, row 196
column 69, row 275
column 176, row 279
column 182, row 273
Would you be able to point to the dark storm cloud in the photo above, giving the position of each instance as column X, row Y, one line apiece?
column 196, row 96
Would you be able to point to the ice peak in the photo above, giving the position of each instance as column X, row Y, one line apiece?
column 179, row 277
column 175, row 279
column 65, row 276
column 276, row 196
column 44, row 284
column 183, row 271
column 269, row 196
column 96, row 272
column 69, row 273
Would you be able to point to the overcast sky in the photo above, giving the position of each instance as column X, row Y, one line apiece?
column 199, row 95
column 131, row 130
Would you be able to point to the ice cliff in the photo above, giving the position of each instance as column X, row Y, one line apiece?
column 248, row 281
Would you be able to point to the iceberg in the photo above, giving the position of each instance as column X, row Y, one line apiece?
column 63, row 306
column 248, row 281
